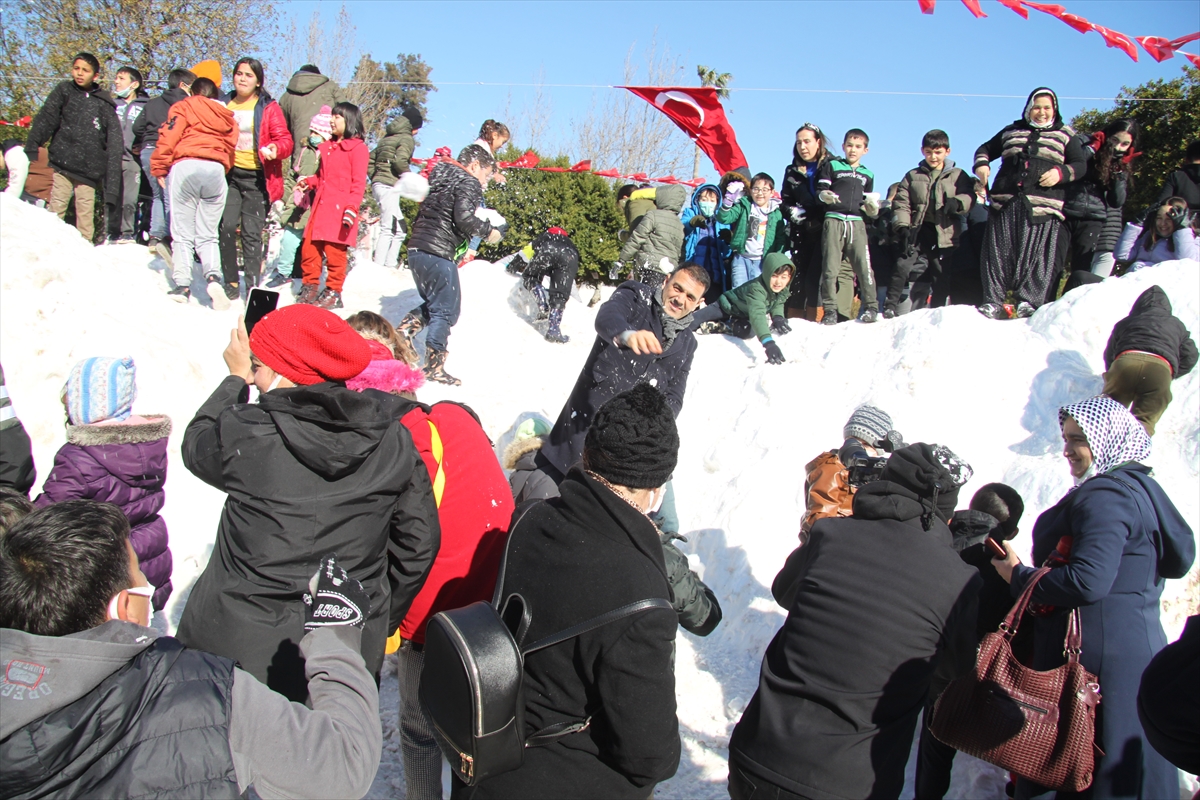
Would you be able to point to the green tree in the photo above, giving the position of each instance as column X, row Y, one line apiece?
column 383, row 89
column 721, row 80
column 1167, row 129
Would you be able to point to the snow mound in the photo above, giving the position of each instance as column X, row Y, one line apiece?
column 988, row 390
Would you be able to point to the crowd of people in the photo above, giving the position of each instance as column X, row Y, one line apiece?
column 355, row 513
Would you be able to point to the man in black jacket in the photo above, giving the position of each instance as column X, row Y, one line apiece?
column 1185, row 181
column 145, row 130
column 874, row 602
column 96, row 704
column 311, row 468
column 447, row 219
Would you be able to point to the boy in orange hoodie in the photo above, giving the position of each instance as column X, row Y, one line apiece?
column 194, row 152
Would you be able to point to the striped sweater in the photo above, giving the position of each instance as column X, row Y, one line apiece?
column 1026, row 154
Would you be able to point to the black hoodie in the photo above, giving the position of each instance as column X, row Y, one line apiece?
column 308, row 471
column 874, row 602
column 145, row 127
column 1152, row 328
column 1183, row 182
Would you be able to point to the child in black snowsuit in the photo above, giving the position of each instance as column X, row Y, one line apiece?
column 554, row 254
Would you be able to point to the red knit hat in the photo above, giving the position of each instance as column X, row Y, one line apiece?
column 307, row 345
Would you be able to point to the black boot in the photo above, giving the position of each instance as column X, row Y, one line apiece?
column 435, row 368
column 554, row 330
column 411, row 325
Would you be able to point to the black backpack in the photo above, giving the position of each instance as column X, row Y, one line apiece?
column 472, row 682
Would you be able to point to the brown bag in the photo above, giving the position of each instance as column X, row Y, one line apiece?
column 1039, row 725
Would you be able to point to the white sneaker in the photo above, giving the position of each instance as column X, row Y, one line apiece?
column 216, row 293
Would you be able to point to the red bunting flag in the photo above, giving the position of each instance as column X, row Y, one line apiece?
column 973, row 7
column 1077, row 22
column 1192, row 57
column 582, row 166
column 1182, row 40
column 608, row 173
column 699, row 114
column 1160, row 49
column 527, row 160
column 1016, row 6
column 1046, row 8
column 927, row 6
column 1118, row 40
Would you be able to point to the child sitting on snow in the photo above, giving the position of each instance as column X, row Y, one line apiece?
column 757, row 306
column 297, row 204
column 115, row 456
column 554, row 254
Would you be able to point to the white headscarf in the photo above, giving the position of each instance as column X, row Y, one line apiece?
column 1114, row 434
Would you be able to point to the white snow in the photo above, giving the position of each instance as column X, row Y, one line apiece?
column 988, row 390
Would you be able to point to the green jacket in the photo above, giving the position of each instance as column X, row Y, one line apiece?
column 659, row 234
column 306, row 93
column 307, row 161
column 390, row 158
column 944, row 204
column 755, row 301
column 738, row 216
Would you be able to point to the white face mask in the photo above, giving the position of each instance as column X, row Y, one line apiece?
column 656, row 500
column 275, row 383
column 141, row 591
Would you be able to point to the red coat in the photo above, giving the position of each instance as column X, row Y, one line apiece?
column 274, row 130
column 340, row 182
column 475, row 506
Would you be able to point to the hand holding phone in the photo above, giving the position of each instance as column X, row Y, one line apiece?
column 996, row 548
column 259, row 303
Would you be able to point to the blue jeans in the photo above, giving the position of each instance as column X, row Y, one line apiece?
column 160, row 206
column 745, row 269
column 437, row 282
column 666, row 516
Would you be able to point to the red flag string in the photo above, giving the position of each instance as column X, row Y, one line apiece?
column 530, row 160
column 1159, row 48
column 23, row 122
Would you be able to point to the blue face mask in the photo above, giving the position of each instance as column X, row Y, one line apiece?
column 315, row 140
column 708, row 207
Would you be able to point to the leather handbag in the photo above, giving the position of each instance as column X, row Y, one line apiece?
column 1038, row 725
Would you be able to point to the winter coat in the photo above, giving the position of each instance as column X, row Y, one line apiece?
column 197, row 128
column 340, row 181
column 85, row 137
column 124, row 464
column 270, row 127
column 695, row 605
column 474, row 505
column 969, row 529
column 306, row 93
column 612, row 368
column 639, row 204
column 952, row 197
column 447, row 216
column 659, row 234
column 128, row 114
column 306, row 163
column 738, row 217
column 145, row 127
column 1132, row 247
column 851, row 183
column 1088, row 199
column 1110, row 233
column 798, row 199
column 1152, row 328
column 702, row 244
column 16, row 451
column 874, row 603
column 828, row 491
column 756, row 301
column 168, row 721
column 308, row 471
column 1126, row 536
column 1026, row 154
column 572, row 558
column 1183, row 182
column 390, row 158
column 1169, row 700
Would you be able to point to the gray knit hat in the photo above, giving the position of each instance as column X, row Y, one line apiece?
column 868, row 423
column 633, row 440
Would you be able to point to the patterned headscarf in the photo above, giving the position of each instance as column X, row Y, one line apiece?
column 1114, row 435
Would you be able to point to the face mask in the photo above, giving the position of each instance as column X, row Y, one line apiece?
column 275, row 383
column 140, row 591
column 656, row 500
column 708, row 207
column 315, row 140
column 123, row 93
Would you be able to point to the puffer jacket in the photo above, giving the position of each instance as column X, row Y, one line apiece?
column 1152, row 328
column 124, row 464
column 827, row 487
column 306, row 93
column 1133, row 246
column 659, row 234
column 195, row 128
column 270, row 127
column 1110, row 233
column 85, row 136
column 390, row 158
column 1026, row 154
column 756, row 301
column 952, row 196
column 738, row 217
column 1087, row 199
column 447, row 217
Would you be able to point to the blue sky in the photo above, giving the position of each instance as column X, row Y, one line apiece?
column 858, row 45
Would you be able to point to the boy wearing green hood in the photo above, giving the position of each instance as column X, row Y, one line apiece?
column 757, row 304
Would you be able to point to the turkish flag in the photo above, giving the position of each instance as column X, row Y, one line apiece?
column 927, row 6
column 1016, row 6
column 1182, row 40
column 1160, row 49
column 973, row 7
column 699, row 114
column 1077, row 22
column 1118, row 40
column 1052, row 9
column 1192, row 57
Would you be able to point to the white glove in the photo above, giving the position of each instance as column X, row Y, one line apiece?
column 827, row 197
column 796, row 213
column 871, row 204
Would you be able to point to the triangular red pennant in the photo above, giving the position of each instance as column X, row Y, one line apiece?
column 1077, row 22
column 1016, row 6
column 927, row 6
column 1182, row 40
column 1159, row 48
column 1118, row 40
column 973, row 7
column 582, row 166
column 1046, row 8
column 1192, row 57
column 608, row 173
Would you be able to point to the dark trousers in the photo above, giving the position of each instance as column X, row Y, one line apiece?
column 743, row 786
column 1081, row 278
column 935, row 761
column 1084, row 235
column 245, row 207
column 806, row 255
column 1142, row 383
column 925, row 263
column 562, row 273
column 437, row 283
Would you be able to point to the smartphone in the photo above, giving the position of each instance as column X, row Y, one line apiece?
column 995, row 548
column 259, row 303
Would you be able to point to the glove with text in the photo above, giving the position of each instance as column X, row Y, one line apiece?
column 334, row 598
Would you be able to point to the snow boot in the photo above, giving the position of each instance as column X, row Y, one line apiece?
column 543, row 301
column 216, row 293
column 329, row 299
column 411, row 325
column 889, row 313
column 435, row 368
column 868, row 316
column 830, row 317
column 180, row 294
column 554, row 330
column 308, row 294
column 1025, row 310
column 993, row 311
column 276, row 280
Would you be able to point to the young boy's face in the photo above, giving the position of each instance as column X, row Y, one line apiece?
column 935, row 156
column 761, row 192
column 708, row 196
column 780, row 280
column 122, row 81
column 855, row 148
column 82, row 73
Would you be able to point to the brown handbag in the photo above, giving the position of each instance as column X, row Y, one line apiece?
column 1039, row 725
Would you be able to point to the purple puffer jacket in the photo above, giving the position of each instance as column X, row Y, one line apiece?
column 126, row 465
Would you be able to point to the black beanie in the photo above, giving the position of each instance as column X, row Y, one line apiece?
column 925, row 470
column 413, row 115
column 633, row 440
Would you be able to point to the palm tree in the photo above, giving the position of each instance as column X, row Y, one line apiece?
column 720, row 80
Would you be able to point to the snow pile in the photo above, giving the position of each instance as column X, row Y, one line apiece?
column 988, row 390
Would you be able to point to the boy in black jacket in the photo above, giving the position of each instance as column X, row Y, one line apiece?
column 846, row 188
column 86, row 148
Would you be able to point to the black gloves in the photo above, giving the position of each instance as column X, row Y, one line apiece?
column 779, row 326
column 725, row 235
column 774, row 354
column 334, row 598
column 698, row 221
column 953, row 206
column 1181, row 217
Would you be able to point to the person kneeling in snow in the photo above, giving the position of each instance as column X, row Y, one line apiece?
column 165, row 720
column 554, row 254
column 311, row 468
column 757, row 304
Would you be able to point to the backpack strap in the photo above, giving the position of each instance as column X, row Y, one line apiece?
column 518, row 515
column 598, row 622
